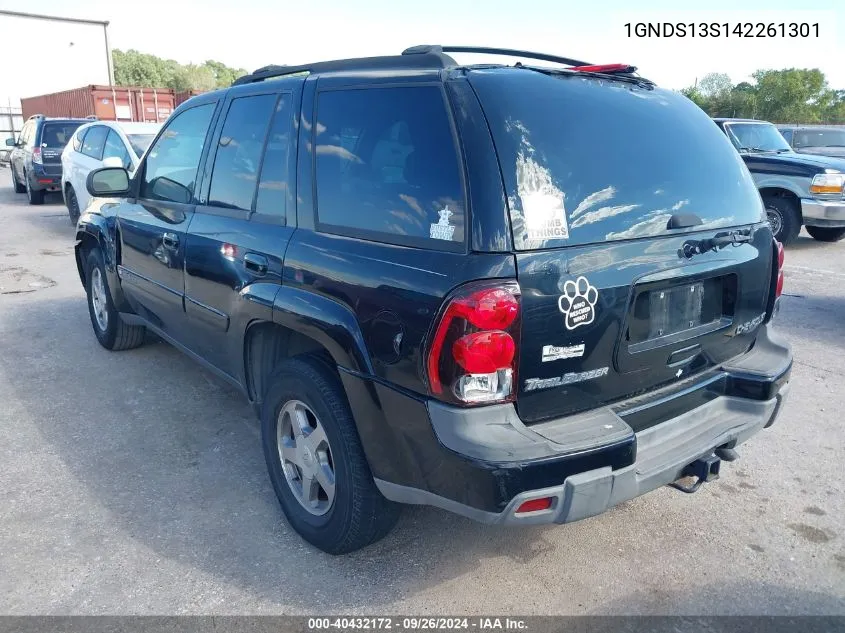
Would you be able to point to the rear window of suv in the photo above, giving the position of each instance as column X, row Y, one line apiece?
column 587, row 160
column 387, row 167
column 57, row 134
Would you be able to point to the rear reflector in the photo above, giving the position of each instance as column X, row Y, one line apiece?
column 779, row 286
column 45, row 181
column 535, row 505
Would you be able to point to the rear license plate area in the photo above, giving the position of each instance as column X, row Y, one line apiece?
column 666, row 315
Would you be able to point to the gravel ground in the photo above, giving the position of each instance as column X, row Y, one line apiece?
column 133, row 483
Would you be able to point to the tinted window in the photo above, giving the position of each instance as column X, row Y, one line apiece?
column 820, row 138
column 115, row 148
column 140, row 142
column 57, row 134
column 587, row 160
column 172, row 162
column 26, row 134
column 95, row 139
column 386, row 164
column 239, row 152
column 273, row 185
column 787, row 134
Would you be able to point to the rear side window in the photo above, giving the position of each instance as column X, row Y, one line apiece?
column 57, row 134
column 238, row 156
column 77, row 139
column 387, row 167
column 172, row 161
column 94, row 142
column 274, row 182
column 587, row 161
column 116, row 148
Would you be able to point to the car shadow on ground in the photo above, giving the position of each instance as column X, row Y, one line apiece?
column 173, row 457
column 708, row 598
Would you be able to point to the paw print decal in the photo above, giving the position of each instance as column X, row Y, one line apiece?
column 578, row 303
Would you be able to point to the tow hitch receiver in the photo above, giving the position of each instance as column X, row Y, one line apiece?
column 703, row 469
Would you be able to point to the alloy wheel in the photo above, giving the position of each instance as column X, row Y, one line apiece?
column 99, row 300
column 306, row 457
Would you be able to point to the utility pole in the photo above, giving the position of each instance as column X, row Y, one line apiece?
column 56, row 18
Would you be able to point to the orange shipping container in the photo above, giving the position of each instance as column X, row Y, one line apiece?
column 108, row 103
column 182, row 97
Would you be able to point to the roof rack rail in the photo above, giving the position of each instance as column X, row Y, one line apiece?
column 423, row 60
column 426, row 49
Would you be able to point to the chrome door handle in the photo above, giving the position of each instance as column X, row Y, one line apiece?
column 255, row 263
column 170, row 240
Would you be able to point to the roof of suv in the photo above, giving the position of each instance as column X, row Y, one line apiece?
column 430, row 57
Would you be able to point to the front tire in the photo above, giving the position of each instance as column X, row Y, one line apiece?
column 784, row 218
column 111, row 331
column 72, row 205
column 35, row 197
column 316, row 462
column 825, row 234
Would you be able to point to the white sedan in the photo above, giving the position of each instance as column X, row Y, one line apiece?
column 101, row 144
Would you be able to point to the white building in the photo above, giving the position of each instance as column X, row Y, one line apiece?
column 44, row 54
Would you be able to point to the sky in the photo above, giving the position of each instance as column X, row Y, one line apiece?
column 254, row 33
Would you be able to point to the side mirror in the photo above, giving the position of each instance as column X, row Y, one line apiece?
column 112, row 161
column 108, row 182
column 10, row 142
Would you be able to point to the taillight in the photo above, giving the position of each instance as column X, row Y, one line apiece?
column 472, row 355
column 36, row 156
column 779, row 286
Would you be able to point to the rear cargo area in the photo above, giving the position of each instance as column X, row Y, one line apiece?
column 643, row 253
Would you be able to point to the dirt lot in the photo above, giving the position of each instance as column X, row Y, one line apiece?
column 134, row 483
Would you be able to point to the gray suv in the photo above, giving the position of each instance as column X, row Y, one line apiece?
column 36, row 157
column 820, row 140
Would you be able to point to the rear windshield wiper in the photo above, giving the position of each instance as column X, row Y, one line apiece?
column 721, row 240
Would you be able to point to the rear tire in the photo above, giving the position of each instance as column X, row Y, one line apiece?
column 19, row 188
column 784, row 218
column 72, row 205
column 111, row 331
column 350, row 513
column 35, row 197
column 825, row 234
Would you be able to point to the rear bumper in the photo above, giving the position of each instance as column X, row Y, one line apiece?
column 826, row 213
column 592, row 461
column 42, row 178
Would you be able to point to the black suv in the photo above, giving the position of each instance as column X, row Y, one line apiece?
column 36, row 157
column 518, row 293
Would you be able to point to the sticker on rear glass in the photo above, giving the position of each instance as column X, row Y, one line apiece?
column 551, row 352
column 533, row 384
column 578, row 303
column 443, row 230
column 542, row 201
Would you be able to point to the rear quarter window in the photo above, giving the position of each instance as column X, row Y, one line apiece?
column 387, row 167
column 587, row 161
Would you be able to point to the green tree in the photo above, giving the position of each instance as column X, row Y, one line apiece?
column 133, row 68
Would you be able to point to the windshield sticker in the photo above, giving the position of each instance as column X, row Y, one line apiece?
column 748, row 326
column 542, row 201
column 578, row 303
column 443, row 230
column 550, row 352
column 533, row 384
